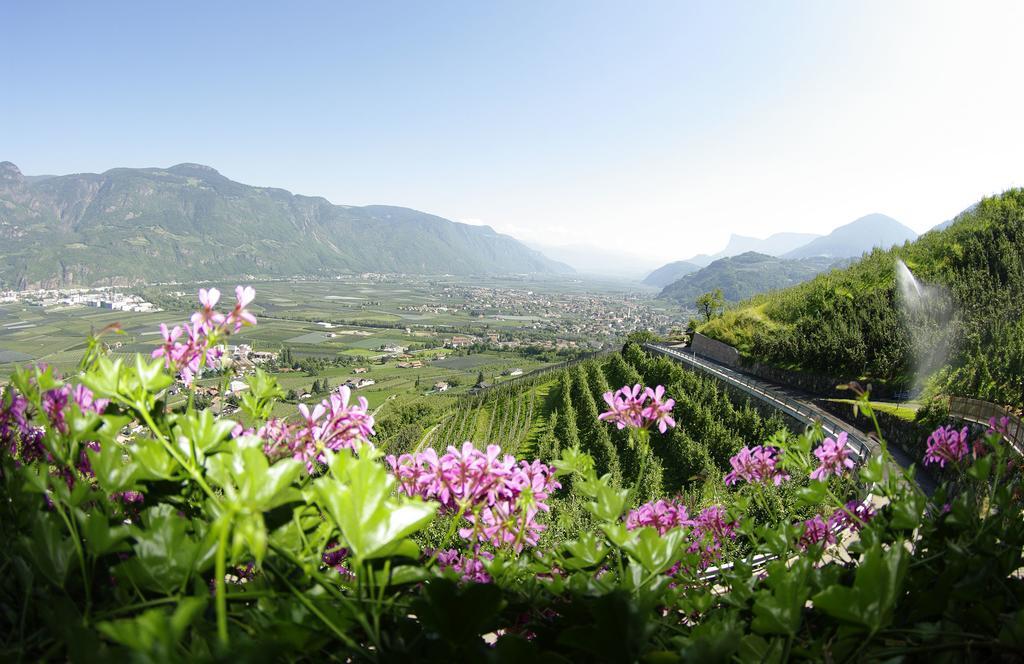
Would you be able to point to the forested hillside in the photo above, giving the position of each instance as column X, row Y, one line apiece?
column 848, row 323
column 740, row 277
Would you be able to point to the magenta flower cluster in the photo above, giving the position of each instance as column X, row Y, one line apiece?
column 663, row 515
column 757, row 465
column 816, row 532
column 334, row 424
column 833, row 457
column 946, row 445
column 639, row 407
column 186, row 349
column 470, row 568
column 13, row 420
column 499, row 497
column 854, row 515
column 709, row 530
column 55, row 403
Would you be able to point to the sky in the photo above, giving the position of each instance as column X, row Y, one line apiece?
column 647, row 128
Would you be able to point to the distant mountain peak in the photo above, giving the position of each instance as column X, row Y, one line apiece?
column 8, row 171
column 189, row 167
column 857, row 237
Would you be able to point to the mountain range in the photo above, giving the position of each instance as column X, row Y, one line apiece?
column 670, row 272
column 855, row 238
column 773, row 245
column 129, row 225
column 750, row 273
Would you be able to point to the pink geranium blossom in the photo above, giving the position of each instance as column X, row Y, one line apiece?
column 499, row 498
column 833, row 457
column 756, row 465
column 946, row 445
column 638, row 407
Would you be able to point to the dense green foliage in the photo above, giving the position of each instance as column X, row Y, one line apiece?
column 847, row 323
column 232, row 556
column 154, row 224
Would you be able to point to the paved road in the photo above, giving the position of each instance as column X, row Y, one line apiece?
column 794, row 403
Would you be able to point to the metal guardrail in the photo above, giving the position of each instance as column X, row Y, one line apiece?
column 981, row 412
column 859, row 444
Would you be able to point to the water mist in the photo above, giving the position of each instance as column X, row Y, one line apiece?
column 927, row 312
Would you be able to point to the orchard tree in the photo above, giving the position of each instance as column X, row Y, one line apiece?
column 710, row 304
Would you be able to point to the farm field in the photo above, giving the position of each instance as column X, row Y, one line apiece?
column 331, row 327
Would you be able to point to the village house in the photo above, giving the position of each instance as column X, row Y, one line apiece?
column 360, row 370
column 441, row 386
column 460, row 341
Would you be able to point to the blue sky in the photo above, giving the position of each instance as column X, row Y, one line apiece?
column 649, row 127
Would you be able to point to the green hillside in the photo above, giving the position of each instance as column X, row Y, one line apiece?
column 745, row 275
column 846, row 323
column 151, row 224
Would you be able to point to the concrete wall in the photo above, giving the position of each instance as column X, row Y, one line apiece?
column 715, row 350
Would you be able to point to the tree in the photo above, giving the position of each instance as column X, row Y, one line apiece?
column 480, row 378
column 710, row 304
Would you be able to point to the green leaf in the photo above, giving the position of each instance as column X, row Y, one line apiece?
column 981, row 468
column 113, row 472
column 873, row 471
column 100, row 537
column 779, row 608
column 812, row 494
column 165, row 553
column 655, row 552
column 202, row 430
column 609, row 503
column 104, row 379
column 587, row 550
column 152, row 375
column 357, row 495
column 155, row 462
column 156, row 631
column 878, row 583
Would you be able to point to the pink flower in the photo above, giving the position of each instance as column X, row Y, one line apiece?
column 86, row 401
column 832, row 455
column 637, row 407
column 755, row 466
column 659, row 412
column 661, row 514
column 333, row 424
column 999, row 426
column 711, row 530
column 471, row 569
column 239, row 316
column 499, row 497
column 946, row 444
column 854, row 515
column 816, row 531
column 206, row 318
column 54, row 403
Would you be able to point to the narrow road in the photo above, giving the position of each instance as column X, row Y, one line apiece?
column 795, row 404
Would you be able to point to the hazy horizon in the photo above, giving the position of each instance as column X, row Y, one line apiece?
column 654, row 130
